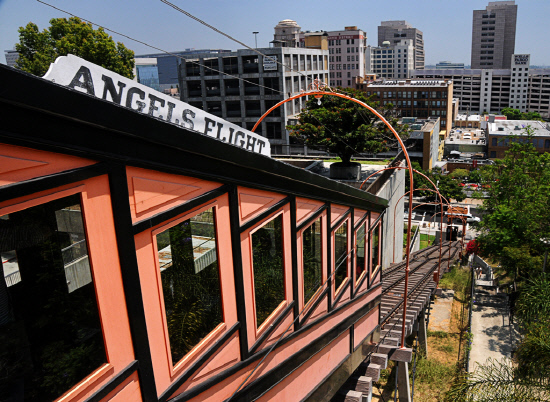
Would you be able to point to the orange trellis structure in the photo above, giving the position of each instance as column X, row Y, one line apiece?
column 318, row 90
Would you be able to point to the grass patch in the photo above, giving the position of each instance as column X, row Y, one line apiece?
column 432, row 379
column 433, row 372
column 438, row 334
column 457, row 279
column 447, row 348
column 426, row 240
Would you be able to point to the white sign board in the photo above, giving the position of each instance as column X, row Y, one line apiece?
column 270, row 63
column 86, row 77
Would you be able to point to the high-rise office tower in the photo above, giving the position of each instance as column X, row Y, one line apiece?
column 494, row 35
column 394, row 31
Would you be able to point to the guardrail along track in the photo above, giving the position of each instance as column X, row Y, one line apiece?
column 423, row 264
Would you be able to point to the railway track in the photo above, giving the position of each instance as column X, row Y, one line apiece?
column 423, row 265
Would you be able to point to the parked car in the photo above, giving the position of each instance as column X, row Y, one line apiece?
column 473, row 219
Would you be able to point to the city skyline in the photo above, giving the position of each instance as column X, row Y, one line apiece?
column 447, row 26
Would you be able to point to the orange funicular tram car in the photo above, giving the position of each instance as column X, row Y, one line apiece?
column 146, row 261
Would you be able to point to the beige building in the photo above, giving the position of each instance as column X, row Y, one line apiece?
column 391, row 61
column 346, row 49
column 415, row 98
column 468, row 121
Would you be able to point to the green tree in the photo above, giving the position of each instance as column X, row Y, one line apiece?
column 37, row 50
column 459, row 174
column 527, row 378
column 511, row 114
column 516, row 213
column 345, row 128
column 474, row 176
column 448, row 187
column 515, row 114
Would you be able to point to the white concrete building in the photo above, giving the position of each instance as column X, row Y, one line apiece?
column 491, row 90
column 265, row 82
column 391, row 61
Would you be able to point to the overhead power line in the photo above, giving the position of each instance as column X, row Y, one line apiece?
column 191, row 61
column 228, row 36
column 156, row 48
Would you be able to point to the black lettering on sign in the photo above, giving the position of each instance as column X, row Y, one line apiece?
column 186, row 120
column 261, row 144
column 110, row 87
column 220, row 126
column 230, row 139
column 171, row 107
column 207, row 123
column 130, row 95
column 250, row 141
column 239, row 134
column 87, row 83
column 152, row 107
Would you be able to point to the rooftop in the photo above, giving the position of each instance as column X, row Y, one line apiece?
column 410, row 83
column 471, row 117
column 516, row 127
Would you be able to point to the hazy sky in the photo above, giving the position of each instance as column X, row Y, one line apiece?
column 447, row 24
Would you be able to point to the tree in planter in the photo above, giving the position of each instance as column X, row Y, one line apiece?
column 343, row 127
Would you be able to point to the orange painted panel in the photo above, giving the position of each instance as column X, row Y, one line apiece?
column 286, row 327
column 225, row 388
column 373, row 217
column 225, row 358
column 129, row 390
column 149, row 272
column 253, row 202
column 306, row 378
column 319, row 311
column 10, row 164
column 358, row 214
column 365, row 326
column 20, row 163
column 345, row 298
column 305, row 208
column 376, row 279
column 104, row 261
column 152, row 192
column 336, row 212
column 364, row 285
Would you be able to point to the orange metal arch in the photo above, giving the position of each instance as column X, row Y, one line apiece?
column 318, row 94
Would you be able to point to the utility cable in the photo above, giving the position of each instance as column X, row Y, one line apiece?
column 228, row 36
column 157, row 48
column 250, row 48
column 192, row 61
